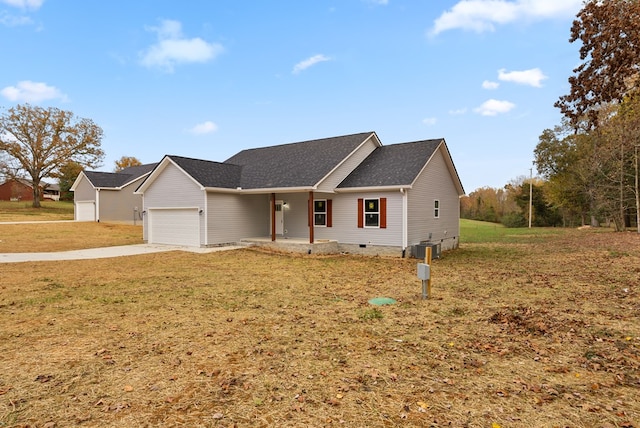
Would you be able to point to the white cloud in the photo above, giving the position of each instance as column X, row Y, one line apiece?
column 484, row 15
column 381, row 2
column 173, row 48
column 204, row 128
column 32, row 92
column 14, row 21
column 24, row 4
column 487, row 84
column 303, row 65
column 494, row 107
column 430, row 121
column 532, row 77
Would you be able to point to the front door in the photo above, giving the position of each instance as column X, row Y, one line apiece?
column 279, row 218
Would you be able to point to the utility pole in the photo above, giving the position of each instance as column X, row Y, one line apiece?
column 530, row 194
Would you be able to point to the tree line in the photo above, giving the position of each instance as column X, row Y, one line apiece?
column 587, row 164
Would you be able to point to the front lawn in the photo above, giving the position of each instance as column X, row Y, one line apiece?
column 538, row 332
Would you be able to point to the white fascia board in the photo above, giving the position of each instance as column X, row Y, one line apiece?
column 373, row 189
column 450, row 166
column 365, row 141
column 261, row 191
column 77, row 181
column 133, row 180
column 157, row 170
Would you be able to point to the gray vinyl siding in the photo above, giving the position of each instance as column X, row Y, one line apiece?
column 345, row 220
column 434, row 183
column 295, row 215
column 332, row 181
column 120, row 205
column 84, row 191
column 231, row 218
column 174, row 189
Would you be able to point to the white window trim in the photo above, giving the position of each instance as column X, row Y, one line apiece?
column 365, row 212
column 320, row 212
column 436, row 208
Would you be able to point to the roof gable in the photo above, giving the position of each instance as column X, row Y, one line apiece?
column 302, row 164
column 116, row 180
column 209, row 173
column 393, row 165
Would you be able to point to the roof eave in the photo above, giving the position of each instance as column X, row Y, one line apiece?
column 395, row 187
column 259, row 191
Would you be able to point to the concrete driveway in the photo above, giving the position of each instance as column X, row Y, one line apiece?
column 105, row 252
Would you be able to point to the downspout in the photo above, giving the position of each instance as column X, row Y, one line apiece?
column 273, row 217
column 206, row 220
column 310, row 215
column 97, row 217
column 405, row 217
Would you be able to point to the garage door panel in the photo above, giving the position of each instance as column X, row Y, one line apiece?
column 85, row 211
column 179, row 226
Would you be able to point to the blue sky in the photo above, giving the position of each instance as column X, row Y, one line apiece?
column 207, row 79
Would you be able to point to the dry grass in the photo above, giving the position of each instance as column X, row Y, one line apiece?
column 22, row 211
column 44, row 237
column 520, row 334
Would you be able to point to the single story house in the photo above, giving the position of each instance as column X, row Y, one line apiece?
column 19, row 189
column 350, row 192
column 109, row 196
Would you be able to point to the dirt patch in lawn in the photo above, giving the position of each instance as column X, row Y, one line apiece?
column 516, row 335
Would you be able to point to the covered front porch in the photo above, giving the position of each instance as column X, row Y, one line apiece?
column 295, row 245
column 294, row 217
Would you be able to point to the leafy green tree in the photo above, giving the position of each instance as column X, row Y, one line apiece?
column 66, row 176
column 560, row 158
column 42, row 140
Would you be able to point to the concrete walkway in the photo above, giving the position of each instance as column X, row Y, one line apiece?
column 106, row 252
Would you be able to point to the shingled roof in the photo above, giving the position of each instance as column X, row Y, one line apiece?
column 209, row 173
column 393, row 165
column 301, row 164
column 114, row 180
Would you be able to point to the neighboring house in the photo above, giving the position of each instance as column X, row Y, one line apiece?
column 350, row 190
column 109, row 196
column 19, row 189
column 51, row 191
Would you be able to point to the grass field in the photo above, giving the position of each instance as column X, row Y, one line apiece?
column 22, row 211
column 536, row 330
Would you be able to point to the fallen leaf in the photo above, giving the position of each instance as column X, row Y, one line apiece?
column 128, row 388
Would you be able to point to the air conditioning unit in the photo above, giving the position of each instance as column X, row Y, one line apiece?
column 419, row 251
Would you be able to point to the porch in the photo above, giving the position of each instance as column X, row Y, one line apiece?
column 295, row 245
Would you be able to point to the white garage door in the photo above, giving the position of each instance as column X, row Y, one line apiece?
column 86, row 211
column 175, row 226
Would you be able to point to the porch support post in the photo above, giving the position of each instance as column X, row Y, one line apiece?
column 273, row 216
column 310, row 213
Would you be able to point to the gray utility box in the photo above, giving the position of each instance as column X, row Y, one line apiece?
column 424, row 271
column 420, row 250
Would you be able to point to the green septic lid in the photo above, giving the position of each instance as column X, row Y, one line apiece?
column 379, row 301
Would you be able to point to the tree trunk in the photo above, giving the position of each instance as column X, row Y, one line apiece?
column 36, row 193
